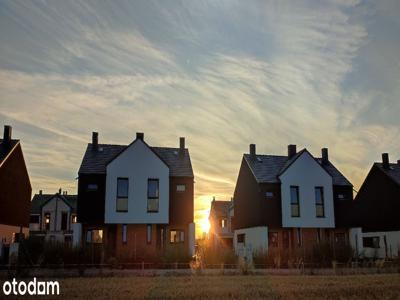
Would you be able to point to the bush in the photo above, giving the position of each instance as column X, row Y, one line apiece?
column 210, row 256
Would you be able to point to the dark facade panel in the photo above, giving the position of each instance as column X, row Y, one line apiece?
column 91, row 200
column 181, row 203
column 344, row 206
column 377, row 204
column 15, row 190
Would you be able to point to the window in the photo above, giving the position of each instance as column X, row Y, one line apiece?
column 94, row 236
column 269, row 194
column 294, row 201
column 341, row 197
column 47, row 221
column 299, row 237
column 122, row 194
column 124, row 231
column 224, row 223
column 340, row 238
column 88, row 236
column 177, row 236
column 180, row 187
column 272, row 239
column 371, row 242
column 152, row 195
column 34, row 219
column 318, row 235
column 74, row 219
column 68, row 240
column 241, row 238
column 319, row 202
column 149, row 232
column 64, row 220
column 92, row 187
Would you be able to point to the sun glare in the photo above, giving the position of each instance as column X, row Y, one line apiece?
column 205, row 225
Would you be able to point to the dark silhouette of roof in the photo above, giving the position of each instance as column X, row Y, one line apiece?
column 393, row 171
column 41, row 199
column 267, row 168
column 95, row 162
column 5, row 149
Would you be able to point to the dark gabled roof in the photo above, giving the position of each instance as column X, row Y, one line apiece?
column 220, row 208
column 95, row 162
column 393, row 172
column 267, row 168
column 41, row 199
column 6, row 149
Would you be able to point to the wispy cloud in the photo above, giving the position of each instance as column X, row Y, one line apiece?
column 223, row 74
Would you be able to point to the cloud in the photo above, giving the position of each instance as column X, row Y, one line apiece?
column 222, row 74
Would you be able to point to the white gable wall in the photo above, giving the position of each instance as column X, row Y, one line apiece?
column 138, row 163
column 56, row 207
column 307, row 174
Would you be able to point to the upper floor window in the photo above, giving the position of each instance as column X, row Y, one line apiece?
column 74, row 219
column 122, row 194
column 47, row 221
column 341, row 197
column 224, row 223
column 64, row 220
column 180, row 187
column 319, row 202
column 34, row 219
column 269, row 194
column 92, row 187
column 177, row 236
column 152, row 195
column 294, row 201
column 371, row 242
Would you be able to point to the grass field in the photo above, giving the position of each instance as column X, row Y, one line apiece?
column 385, row 286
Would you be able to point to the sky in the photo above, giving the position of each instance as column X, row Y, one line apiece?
column 223, row 74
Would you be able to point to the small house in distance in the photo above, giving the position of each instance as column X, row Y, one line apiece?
column 52, row 216
column 15, row 189
column 221, row 217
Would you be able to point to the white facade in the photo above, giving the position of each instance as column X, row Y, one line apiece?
column 255, row 239
column 138, row 163
column 306, row 173
column 56, row 207
column 388, row 243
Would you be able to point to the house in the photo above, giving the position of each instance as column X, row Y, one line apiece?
column 289, row 201
column 15, row 189
column 137, row 200
column 52, row 216
column 377, row 207
column 221, row 216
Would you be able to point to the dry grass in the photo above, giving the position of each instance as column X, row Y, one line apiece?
column 384, row 286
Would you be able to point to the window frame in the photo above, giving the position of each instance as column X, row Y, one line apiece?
column 180, row 191
column 153, row 197
column 372, row 244
column 322, row 204
column 118, row 197
column 179, row 236
column 295, row 204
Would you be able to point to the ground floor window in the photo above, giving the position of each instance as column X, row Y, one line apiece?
column 272, row 239
column 340, row 237
column 371, row 242
column 94, row 236
column 149, row 233
column 241, row 238
column 299, row 237
column 124, row 234
column 177, row 236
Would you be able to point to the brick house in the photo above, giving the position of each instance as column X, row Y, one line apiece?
column 137, row 200
column 290, row 201
column 221, row 217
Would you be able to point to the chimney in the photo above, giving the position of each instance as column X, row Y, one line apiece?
column 7, row 134
column 291, row 151
column 59, row 191
column 385, row 160
column 213, row 198
column 253, row 150
column 40, row 192
column 181, row 147
column 95, row 141
column 325, row 156
column 139, row 136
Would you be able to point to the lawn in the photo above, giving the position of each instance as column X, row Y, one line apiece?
column 384, row 286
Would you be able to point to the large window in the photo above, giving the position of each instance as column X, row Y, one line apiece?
column 272, row 239
column 64, row 220
column 371, row 242
column 319, row 202
column 177, row 236
column 122, row 194
column 294, row 201
column 152, row 195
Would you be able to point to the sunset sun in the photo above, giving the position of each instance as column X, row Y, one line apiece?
column 205, row 225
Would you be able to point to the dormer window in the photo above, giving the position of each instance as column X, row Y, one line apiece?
column 122, row 194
